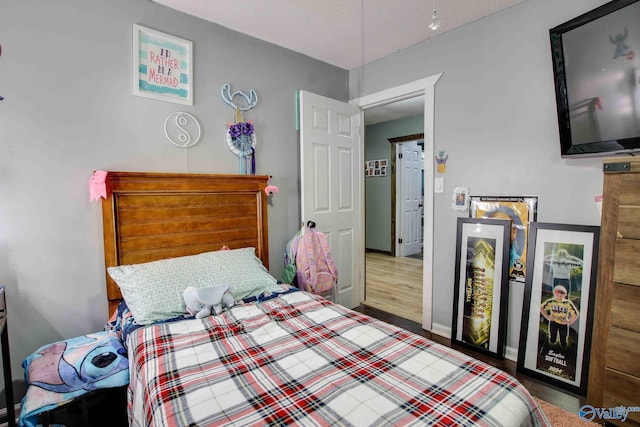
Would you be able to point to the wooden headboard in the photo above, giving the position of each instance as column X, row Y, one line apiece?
column 150, row 216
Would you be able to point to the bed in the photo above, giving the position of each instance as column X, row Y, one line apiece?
column 280, row 356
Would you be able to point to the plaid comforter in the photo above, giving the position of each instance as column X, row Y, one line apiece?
column 300, row 359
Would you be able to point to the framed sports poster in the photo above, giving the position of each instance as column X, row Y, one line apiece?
column 557, row 318
column 522, row 211
column 481, row 285
column 162, row 66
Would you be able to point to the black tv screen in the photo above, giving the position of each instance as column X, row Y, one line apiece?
column 596, row 66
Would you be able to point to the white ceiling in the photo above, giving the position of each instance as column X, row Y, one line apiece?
column 344, row 33
column 332, row 30
column 397, row 110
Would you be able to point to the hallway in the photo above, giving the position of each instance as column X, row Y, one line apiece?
column 394, row 285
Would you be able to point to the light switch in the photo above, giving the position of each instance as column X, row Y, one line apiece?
column 438, row 184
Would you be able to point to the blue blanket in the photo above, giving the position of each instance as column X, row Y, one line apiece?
column 59, row 372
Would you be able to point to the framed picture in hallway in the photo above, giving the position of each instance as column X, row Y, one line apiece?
column 481, row 285
column 557, row 315
column 376, row 167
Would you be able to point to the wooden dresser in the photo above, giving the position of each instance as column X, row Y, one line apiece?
column 614, row 372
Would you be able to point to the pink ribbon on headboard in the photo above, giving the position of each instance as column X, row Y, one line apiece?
column 271, row 190
column 98, row 186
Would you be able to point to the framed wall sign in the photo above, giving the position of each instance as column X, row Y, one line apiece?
column 521, row 210
column 162, row 66
column 557, row 318
column 481, row 285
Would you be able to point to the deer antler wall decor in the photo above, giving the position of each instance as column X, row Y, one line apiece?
column 250, row 100
column 241, row 136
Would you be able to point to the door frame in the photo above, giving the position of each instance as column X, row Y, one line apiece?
column 424, row 87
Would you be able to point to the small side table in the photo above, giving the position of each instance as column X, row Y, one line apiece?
column 6, row 359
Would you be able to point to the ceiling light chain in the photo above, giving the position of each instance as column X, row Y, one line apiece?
column 435, row 21
column 361, row 48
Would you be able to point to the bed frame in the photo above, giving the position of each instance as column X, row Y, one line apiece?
column 150, row 216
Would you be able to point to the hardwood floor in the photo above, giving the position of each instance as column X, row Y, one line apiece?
column 394, row 285
column 394, row 295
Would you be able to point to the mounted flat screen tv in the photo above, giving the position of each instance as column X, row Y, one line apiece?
column 596, row 64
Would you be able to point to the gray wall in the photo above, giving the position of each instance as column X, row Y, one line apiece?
column 66, row 75
column 495, row 116
column 65, row 72
column 378, row 189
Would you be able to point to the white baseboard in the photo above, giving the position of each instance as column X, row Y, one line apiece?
column 511, row 353
column 443, row 331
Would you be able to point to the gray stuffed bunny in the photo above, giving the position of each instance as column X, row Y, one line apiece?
column 203, row 302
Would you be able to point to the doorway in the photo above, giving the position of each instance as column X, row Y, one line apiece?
column 407, row 195
column 393, row 215
column 394, row 285
column 424, row 87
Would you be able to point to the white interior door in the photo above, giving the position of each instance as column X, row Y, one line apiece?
column 410, row 164
column 331, row 169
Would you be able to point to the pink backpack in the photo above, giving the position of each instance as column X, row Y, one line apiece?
column 316, row 269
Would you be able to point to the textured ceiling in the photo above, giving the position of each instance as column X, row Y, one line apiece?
column 332, row 31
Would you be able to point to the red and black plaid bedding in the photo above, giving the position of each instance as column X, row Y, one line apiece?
column 299, row 359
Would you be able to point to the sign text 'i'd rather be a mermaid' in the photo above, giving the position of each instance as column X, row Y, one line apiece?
column 162, row 66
